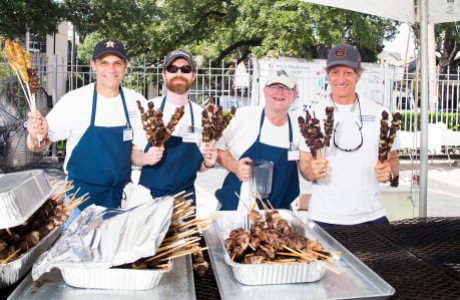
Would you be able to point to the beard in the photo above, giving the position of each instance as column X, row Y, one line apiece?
column 179, row 87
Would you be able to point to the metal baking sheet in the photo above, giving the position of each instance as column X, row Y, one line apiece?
column 21, row 194
column 177, row 284
column 356, row 281
column 13, row 271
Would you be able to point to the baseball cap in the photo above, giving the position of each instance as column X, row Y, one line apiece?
column 344, row 55
column 283, row 77
column 176, row 54
column 109, row 46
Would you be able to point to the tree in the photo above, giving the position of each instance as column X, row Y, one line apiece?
column 39, row 17
column 448, row 45
column 229, row 30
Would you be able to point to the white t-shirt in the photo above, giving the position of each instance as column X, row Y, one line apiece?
column 350, row 194
column 140, row 139
column 71, row 116
column 243, row 129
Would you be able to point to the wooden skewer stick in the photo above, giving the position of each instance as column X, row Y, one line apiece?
column 262, row 201
column 269, row 203
column 11, row 256
column 242, row 201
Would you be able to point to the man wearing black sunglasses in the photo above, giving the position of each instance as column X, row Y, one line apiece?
column 172, row 168
column 346, row 182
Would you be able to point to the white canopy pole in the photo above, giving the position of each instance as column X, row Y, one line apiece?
column 424, row 73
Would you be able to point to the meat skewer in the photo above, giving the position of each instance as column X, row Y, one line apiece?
column 20, row 62
column 310, row 128
column 383, row 144
column 53, row 213
column 214, row 121
column 152, row 122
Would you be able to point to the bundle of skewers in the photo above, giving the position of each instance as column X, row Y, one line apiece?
column 214, row 121
column 152, row 122
column 182, row 238
column 388, row 134
column 18, row 240
column 271, row 240
column 310, row 128
column 20, row 62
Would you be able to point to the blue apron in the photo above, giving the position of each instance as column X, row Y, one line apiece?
column 176, row 171
column 285, row 186
column 101, row 162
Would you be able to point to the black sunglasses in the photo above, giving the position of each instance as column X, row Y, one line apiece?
column 348, row 149
column 183, row 69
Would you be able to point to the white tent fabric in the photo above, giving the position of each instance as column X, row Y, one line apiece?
column 439, row 11
column 401, row 10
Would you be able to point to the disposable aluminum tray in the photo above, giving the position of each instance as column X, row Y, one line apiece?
column 356, row 280
column 21, row 194
column 16, row 269
column 258, row 274
column 116, row 279
column 176, row 284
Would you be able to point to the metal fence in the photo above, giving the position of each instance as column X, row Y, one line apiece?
column 242, row 85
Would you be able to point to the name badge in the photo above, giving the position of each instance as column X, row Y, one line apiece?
column 293, row 153
column 191, row 137
column 127, row 135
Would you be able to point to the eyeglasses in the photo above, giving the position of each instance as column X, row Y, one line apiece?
column 360, row 127
column 183, row 69
column 280, row 88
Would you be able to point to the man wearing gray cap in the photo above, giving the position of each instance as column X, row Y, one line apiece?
column 346, row 181
column 96, row 120
column 172, row 168
column 262, row 133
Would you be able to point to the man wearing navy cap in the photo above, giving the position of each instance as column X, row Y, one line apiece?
column 173, row 168
column 262, row 133
column 96, row 120
column 346, row 181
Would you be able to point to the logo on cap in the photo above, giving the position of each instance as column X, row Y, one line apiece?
column 110, row 44
column 340, row 52
column 281, row 72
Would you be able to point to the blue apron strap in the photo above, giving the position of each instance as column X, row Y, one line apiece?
column 124, row 106
column 290, row 130
column 93, row 111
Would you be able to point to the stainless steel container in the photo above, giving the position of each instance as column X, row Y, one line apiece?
column 21, row 194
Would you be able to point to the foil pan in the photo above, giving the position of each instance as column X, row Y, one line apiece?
column 112, row 279
column 21, row 194
column 262, row 274
column 13, row 271
column 103, row 238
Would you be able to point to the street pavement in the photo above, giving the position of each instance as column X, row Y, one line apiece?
column 443, row 191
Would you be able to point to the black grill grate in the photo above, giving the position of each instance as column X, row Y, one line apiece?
column 420, row 258
column 206, row 286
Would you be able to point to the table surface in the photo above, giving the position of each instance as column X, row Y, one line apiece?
column 418, row 257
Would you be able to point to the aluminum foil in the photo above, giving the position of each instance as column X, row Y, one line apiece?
column 13, row 271
column 260, row 274
column 21, row 194
column 101, row 238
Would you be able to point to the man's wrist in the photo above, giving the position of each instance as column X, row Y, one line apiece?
column 206, row 166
